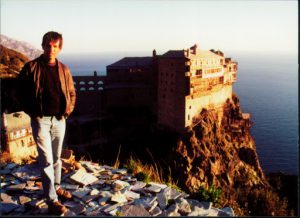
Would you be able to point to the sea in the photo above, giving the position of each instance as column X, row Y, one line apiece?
column 267, row 86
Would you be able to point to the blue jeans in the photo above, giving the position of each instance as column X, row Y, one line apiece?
column 48, row 133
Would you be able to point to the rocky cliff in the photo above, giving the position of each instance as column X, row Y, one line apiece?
column 224, row 156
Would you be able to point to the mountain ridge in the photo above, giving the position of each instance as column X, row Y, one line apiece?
column 20, row 46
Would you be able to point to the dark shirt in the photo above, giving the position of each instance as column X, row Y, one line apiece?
column 52, row 96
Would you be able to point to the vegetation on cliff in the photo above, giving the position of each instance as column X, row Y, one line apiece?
column 224, row 157
column 11, row 62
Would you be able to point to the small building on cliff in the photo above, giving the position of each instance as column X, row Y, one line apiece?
column 175, row 86
column 16, row 136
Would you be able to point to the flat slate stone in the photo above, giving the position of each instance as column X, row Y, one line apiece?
column 69, row 213
column 18, row 187
column 138, row 186
column 27, row 172
column 83, row 177
column 215, row 212
column 228, row 210
column 162, row 186
column 7, row 207
column 5, row 172
column 10, row 166
column 206, row 205
column 79, row 209
column 105, row 194
column 133, row 210
column 197, row 211
column 173, row 209
column 24, row 199
column 184, row 207
column 110, row 208
column 152, row 206
column 118, row 197
column 5, row 198
column 69, row 186
column 156, row 211
column 153, row 188
column 119, row 171
column 70, row 204
column 81, row 192
column 162, row 200
column 131, row 195
column 102, row 201
column 94, row 192
column 121, row 184
column 88, row 198
column 174, row 194
column 150, row 200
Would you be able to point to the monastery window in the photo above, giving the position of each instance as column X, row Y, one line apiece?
column 221, row 79
column 199, row 72
column 188, row 117
column 190, row 107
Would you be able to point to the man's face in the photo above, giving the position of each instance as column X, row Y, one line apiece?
column 51, row 49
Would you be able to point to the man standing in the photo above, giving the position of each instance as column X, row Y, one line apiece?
column 48, row 96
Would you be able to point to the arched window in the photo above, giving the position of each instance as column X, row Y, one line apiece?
column 82, row 89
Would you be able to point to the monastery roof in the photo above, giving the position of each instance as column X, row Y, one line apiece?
column 131, row 62
column 205, row 54
column 174, row 54
column 17, row 120
column 200, row 54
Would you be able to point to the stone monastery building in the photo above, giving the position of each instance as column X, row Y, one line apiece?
column 175, row 86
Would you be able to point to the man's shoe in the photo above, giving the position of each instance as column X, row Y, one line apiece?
column 56, row 208
column 63, row 193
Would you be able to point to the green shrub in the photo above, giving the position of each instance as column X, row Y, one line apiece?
column 211, row 194
column 142, row 176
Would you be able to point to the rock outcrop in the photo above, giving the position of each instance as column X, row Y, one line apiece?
column 224, row 156
column 97, row 190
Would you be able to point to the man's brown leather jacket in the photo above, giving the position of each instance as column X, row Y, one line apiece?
column 31, row 87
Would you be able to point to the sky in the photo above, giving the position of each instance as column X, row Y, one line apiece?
column 99, row 26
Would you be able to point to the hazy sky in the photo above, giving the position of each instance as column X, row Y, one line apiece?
column 132, row 25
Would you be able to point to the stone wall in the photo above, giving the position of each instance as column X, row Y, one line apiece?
column 22, row 148
column 213, row 100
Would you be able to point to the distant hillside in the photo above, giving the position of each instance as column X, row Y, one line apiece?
column 11, row 62
column 23, row 47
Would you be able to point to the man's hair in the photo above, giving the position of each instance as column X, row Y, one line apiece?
column 52, row 36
